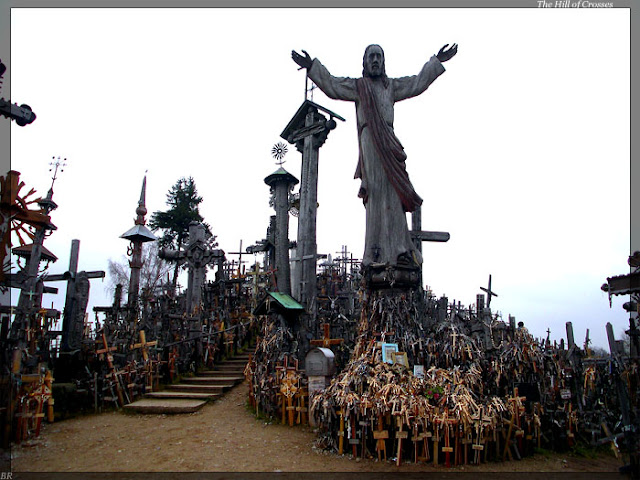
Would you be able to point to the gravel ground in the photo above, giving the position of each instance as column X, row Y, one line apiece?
column 224, row 437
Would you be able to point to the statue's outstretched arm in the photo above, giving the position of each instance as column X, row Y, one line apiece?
column 304, row 62
column 445, row 55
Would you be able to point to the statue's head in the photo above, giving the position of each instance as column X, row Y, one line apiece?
column 373, row 62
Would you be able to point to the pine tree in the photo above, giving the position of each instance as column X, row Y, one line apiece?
column 184, row 201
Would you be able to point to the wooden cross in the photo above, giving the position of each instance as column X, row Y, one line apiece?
column 478, row 447
column 112, row 368
column 447, row 449
column 143, row 344
column 301, row 394
column 514, row 421
column 380, row 436
column 400, row 435
column 326, row 341
column 489, row 292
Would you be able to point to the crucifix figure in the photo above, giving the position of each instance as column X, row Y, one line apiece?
column 386, row 189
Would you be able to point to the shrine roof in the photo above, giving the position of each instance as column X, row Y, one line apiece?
column 280, row 175
column 283, row 301
column 25, row 252
column 298, row 119
column 623, row 284
column 139, row 233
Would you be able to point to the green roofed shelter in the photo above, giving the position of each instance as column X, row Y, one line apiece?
column 276, row 302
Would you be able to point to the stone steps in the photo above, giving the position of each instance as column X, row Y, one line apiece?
column 183, row 395
column 167, row 406
column 214, row 380
column 191, row 388
column 192, row 393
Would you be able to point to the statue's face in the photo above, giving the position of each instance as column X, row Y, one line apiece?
column 374, row 61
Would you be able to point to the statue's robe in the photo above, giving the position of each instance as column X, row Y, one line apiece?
column 385, row 189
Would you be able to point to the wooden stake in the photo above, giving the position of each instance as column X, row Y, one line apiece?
column 341, row 433
column 400, row 435
column 381, row 435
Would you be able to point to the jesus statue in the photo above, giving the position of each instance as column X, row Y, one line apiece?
column 385, row 188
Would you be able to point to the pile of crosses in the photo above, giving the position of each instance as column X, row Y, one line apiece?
column 133, row 358
column 479, row 389
column 277, row 387
column 128, row 351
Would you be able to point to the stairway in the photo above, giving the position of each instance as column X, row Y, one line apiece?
column 192, row 393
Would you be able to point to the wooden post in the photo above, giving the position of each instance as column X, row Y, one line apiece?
column 447, row 449
column 354, row 439
column 48, row 382
column 341, row 433
column 570, row 340
column 436, row 438
column 400, row 435
column 380, row 436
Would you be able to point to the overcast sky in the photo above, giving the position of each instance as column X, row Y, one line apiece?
column 521, row 149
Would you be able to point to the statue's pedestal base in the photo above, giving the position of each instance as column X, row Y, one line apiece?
column 382, row 276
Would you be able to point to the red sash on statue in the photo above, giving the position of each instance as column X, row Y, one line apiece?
column 388, row 147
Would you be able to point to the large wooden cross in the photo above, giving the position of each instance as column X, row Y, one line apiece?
column 326, row 341
column 198, row 255
column 418, row 235
column 76, row 299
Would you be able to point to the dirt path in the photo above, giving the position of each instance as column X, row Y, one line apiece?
column 222, row 437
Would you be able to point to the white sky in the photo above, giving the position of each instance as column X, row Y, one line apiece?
column 521, row 149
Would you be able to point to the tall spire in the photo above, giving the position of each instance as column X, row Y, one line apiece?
column 141, row 211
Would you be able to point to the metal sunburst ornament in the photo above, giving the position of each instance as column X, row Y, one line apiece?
column 278, row 151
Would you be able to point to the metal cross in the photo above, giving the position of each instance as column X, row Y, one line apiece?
column 55, row 165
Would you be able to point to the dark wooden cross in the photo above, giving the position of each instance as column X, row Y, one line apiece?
column 76, row 299
column 418, row 235
column 490, row 293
